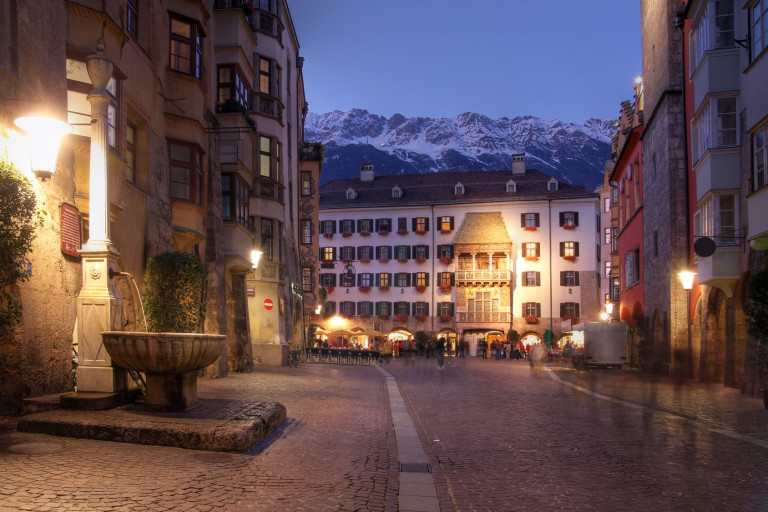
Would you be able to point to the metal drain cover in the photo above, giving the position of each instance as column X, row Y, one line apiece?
column 415, row 468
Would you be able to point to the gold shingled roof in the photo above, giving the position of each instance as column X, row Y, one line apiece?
column 486, row 228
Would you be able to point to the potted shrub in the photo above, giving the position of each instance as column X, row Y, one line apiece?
column 173, row 350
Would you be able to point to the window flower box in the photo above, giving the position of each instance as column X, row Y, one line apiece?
column 383, row 260
column 383, row 232
column 445, row 288
column 401, row 318
column 364, row 289
column 446, row 261
column 421, row 318
column 365, row 260
column 327, row 264
column 383, row 288
column 531, row 258
column 346, row 261
column 402, row 260
column 445, row 231
column 569, row 227
column 365, row 233
column 329, row 289
column 421, row 260
column 533, row 320
column 420, row 231
column 365, row 316
column 446, row 318
column 328, row 235
column 384, row 317
column 314, row 317
column 402, row 231
column 570, row 258
column 420, row 288
column 346, row 234
column 529, row 228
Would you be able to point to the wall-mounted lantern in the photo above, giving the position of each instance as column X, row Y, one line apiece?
column 44, row 135
column 255, row 257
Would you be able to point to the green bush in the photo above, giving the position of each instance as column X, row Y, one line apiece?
column 174, row 285
column 19, row 217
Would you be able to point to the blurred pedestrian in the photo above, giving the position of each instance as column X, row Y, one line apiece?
column 440, row 352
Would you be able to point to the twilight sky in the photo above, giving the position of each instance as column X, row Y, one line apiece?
column 560, row 59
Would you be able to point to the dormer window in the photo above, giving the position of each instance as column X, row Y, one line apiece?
column 351, row 194
column 458, row 189
column 397, row 192
column 511, row 187
column 552, row 185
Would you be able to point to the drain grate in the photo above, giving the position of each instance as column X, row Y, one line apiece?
column 415, row 468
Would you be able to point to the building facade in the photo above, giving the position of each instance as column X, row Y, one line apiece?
column 467, row 255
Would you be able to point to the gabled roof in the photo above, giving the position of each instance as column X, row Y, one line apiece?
column 438, row 188
column 486, row 228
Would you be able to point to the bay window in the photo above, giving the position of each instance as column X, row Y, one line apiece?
column 186, row 49
column 186, row 168
column 712, row 29
column 234, row 199
column 718, row 219
column 715, row 126
column 232, row 88
column 760, row 156
column 758, row 15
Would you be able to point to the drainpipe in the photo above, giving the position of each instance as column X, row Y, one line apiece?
column 551, row 306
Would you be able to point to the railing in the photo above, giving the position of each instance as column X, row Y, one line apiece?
column 266, row 105
column 311, row 151
column 492, row 316
column 485, row 276
column 269, row 189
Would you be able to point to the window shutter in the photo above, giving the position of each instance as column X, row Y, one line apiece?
column 562, row 309
column 426, row 279
column 562, row 218
column 426, row 251
column 537, row 219
column 402, row 223
column 522, row 220
column 562, row 279
column 322, row 253
column 576, row 248
column 525, row 309
column 333, row 226
column 524, row 279
column 426, row 223
column 408, row 252
column 453, row 279
column 538, row 249
column 578, row 309
column 426, row 308
column 453, row 254
column 576, row 218
column 538, row 278
column 577, row 273
column 538, row 309
column 413, row 224
column 451, row 308
column 451, row 223
column 413, row 278
column 562, row 248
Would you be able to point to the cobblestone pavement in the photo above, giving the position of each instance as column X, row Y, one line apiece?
column 498, row 436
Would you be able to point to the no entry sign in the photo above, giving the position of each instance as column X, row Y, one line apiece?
column 268, row 304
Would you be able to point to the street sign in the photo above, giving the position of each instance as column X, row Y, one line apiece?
column 268, row 305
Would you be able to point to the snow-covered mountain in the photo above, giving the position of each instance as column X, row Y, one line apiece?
column 573, row 153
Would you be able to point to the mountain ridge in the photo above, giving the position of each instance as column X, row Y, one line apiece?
column 571, row 152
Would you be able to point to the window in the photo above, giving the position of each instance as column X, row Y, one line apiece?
column 306, row 183
column 758, row 14
column 397, row 193
column 631, row 268
column 351, row 194
column 186, row 46
column 530, row 278
column 446, row 279
column 130, row 152
column 384, row 308
column 421, row 308
column 569, row 249
column 327, row 280
column 384, row 280
column 615, row 289
column 511, row 187
column 232, row 89
column 402, row 224
column 715, row 126
column 445, row 223
column 306, row 279
column 329, row 309
column 420, row 279
column 569, row 219
column 186, row 167
column 569, row 310
column 268, row 168
column 529, row 220
column 328, row 227
column 384, row 225
column 365, row 279
column 420, row 252
column 347, row 226
column 421, row 224
column 365, row 252
column 569, row 278
column 328, row 254
column 531, row 250
column 459, row 189
column 607, row 205
column 718, row 219
column 265, row 75
column 347, row 253
column 445, row 309
column 402, row 308
column 347, row 279
column 79, row 86
column 614, row 239
column 234, row 199
column 531, row 309
column 347, row 308
column 712, row 29
column 760, row 155
column 403, row 252
column 383, row 252
column 365, row 308
column 132, row 18
column 364, row 225
column 445, row 252
column 403, row 279
column 267, row 238
column 607, row 271
column 483, row 302
column 552, row 185
column 306, row 231
column 607, row 234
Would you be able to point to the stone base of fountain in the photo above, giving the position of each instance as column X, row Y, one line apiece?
column 170, row 362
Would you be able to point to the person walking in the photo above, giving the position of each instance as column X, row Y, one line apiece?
column 440, row 352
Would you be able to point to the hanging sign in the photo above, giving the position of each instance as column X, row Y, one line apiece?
column 70, row 230
column 268, row 305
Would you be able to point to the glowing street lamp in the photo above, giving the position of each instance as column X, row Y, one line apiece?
column 687, row 280
column 255, row 257
column 44, row 135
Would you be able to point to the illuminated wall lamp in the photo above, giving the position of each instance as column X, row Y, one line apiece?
column 44, row 135
column 255, row 257
column 609, row 308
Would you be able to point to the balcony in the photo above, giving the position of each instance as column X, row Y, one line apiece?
column 484, row 317
column 238, row 243
column 721, row 269
column 482, row 277
column 757, row 208
column 265, row 105
column 269, row 189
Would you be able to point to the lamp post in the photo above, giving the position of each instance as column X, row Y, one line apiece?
column 687, row 280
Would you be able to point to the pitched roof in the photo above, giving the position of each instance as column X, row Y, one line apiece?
column 488, row 228
column 438, row 188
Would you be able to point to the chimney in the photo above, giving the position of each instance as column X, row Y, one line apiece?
column 518, row 163
column 366, row 171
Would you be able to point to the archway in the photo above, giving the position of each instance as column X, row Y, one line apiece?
column 713, row 341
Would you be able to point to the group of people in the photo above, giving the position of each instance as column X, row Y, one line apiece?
column 501, row 350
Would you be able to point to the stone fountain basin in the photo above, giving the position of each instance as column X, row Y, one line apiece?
column 163, row 353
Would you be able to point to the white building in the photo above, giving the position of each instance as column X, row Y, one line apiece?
column 468, row 255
